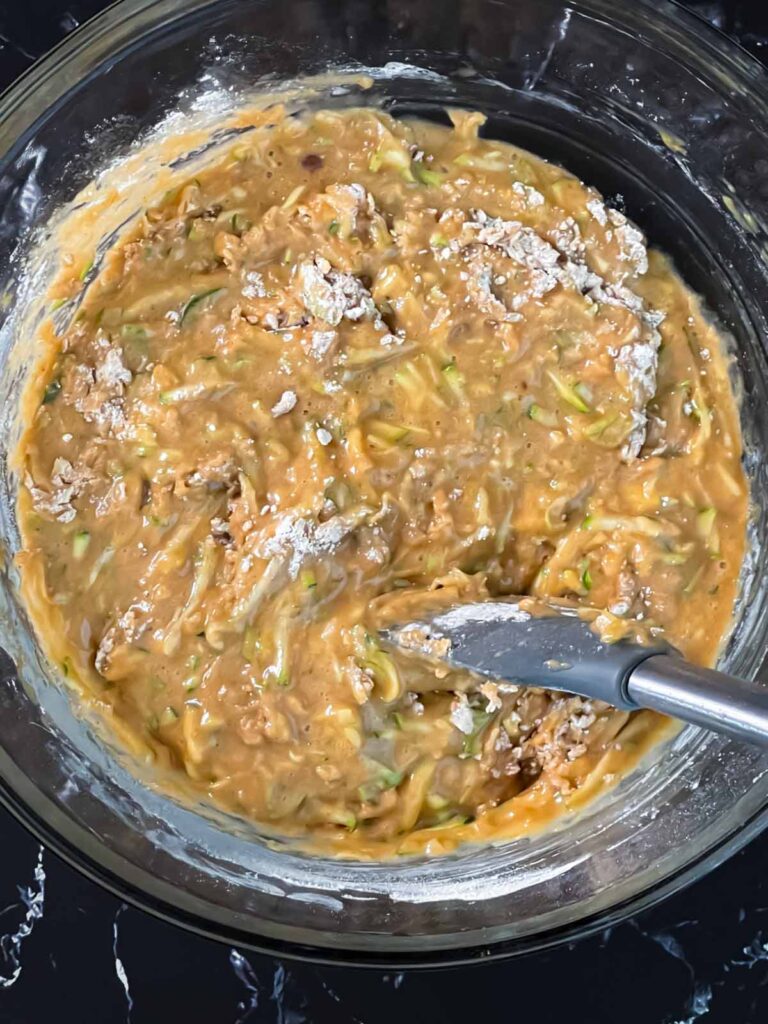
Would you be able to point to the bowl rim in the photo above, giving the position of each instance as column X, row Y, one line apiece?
column 93, row 859
column 21, row 104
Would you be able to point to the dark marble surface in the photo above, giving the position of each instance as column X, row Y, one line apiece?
column 69, row 951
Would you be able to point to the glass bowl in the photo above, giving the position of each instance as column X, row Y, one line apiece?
column 640, row 99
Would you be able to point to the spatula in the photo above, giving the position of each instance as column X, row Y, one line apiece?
column 559, row 650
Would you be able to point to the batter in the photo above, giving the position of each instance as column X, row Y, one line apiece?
column 358, row 364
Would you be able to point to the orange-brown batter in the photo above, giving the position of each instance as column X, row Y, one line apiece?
column 356, row 359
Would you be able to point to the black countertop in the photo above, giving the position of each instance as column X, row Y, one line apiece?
column 69, row 951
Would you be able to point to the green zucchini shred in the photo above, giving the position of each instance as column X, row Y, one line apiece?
column 394, row 158
column 308, row 579
column 586, row 575
column 80, row 543
column 387, row 778
column 52, row 391
column 707, row 530
column 470, row 743
column 168, row 716
column 427, row 176
column 540, row 415
column 454, row 378
column 383, row 669
column 251, row 644
column 195, row 300
column 568, row 392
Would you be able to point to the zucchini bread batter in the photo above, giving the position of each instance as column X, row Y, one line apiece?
column 358, row 365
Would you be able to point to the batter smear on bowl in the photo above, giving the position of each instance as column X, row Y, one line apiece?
column 358, row 364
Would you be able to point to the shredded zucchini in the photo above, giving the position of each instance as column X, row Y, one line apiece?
column 135, row 332
column 196, row 301
column 674, row 557
column 52, row 391
column 294, row 197
column 80, row 543
column 701, row 411
column 610, row 430
column 308, row 579
column 471, row 743
column 168, row 716
column 103, row 559
column 586, row 575
column 279, row 670
column 205, row 567
column 251, row 644
column 384, row 779
column 182, row 393
column 599, row 426
column 492, row 161
column 392, row 156
column 240, row 224
column 427, row 176
column 344, row 818
column 365, row 358
column 383, row 435
column 454, row 378
column 540, row 415
column 632, row 524
column 409, row 378
column 707, row 530
column 568, row 392
column 381, row 666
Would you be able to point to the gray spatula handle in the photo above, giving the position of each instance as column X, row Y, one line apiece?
column 702, row 696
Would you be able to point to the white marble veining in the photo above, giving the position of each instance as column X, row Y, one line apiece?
column 31, row 904
column 120, row 971
column 562, row 31
column 699, row 1004
column 247, row 976
column 755, row 953
column 277, row 995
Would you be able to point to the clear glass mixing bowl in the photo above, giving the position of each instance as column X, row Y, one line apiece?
column 641, row 100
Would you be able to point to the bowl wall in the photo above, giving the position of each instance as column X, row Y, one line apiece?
column 641, row 100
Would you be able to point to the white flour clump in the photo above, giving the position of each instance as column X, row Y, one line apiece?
column 630, row 239
column 461, row 714
column 482, row 611
column 321, row 343
column 67, row 482
column 531, row 195
column 298, row 539
column 333, row 296
column 568, row 240
column 547, row 265
column 284, row 404
column 111, row 373
column 597, row 208
column 638, row 365
column 491, row 693
column 632, row 248
column 524, row 246
column 564, row 262
column 480, row 282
